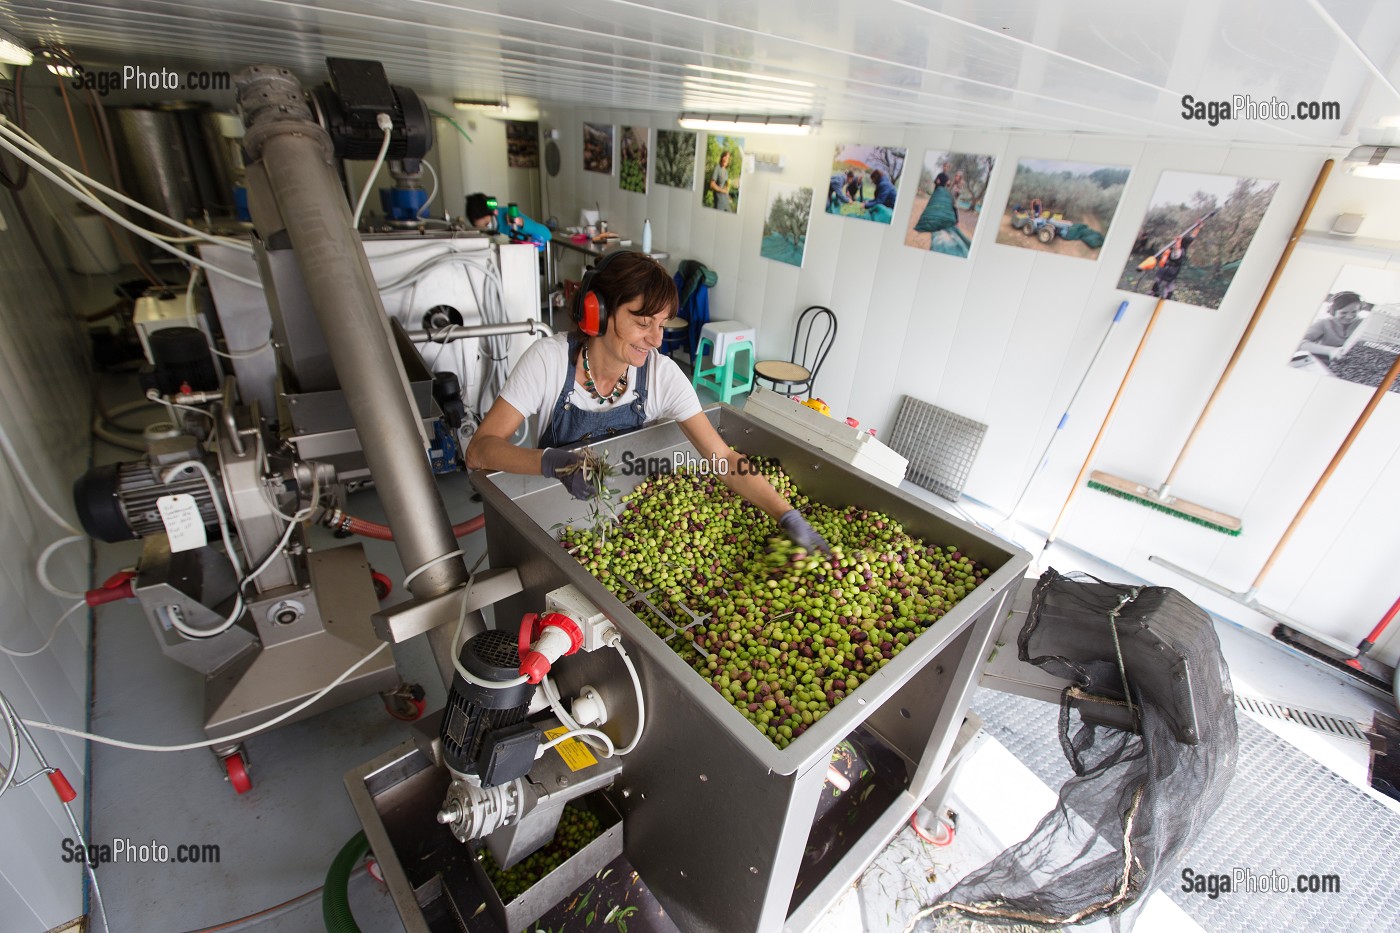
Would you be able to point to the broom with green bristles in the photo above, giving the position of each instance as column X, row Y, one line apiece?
column 1161, row 497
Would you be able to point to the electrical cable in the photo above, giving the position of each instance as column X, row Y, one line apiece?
column 86, row 183
column 106, row 211
column 616, row 643
column 238, row 605
column 194, row 322
column 409, row 578
column 41, row 568
column 29, row 486
column 236, row 737
column 386, row 124
column 115, row 439
column 433, row 196
column 574, row 733
column 52, row 633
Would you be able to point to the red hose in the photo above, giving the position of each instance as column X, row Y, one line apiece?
column 368, row 529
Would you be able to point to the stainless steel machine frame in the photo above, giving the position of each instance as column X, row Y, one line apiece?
column 716, row 816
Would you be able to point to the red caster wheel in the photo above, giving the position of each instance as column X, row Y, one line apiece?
column 383, row 586
column 237, row 770
column 405, row 704
column 943, row 833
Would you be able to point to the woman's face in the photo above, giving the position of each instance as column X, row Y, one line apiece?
column 630, row 336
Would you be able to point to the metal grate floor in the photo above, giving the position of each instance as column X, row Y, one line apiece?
column 1283, row 811
column 1313, row 719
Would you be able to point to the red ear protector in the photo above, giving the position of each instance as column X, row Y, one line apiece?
column 590, row 310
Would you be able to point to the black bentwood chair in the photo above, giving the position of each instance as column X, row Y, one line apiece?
column 816, row 332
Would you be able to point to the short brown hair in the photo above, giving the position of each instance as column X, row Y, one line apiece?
column 632, row 275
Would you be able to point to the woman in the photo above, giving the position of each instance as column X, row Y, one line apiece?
column 586, row 387
column 719, row 182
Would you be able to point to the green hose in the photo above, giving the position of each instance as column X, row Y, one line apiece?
column 335, row 897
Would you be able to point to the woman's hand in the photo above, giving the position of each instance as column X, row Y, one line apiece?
column 570, row 467
column 802, row 533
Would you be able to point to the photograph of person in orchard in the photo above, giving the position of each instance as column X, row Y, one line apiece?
column 948, row 201
column 1059, row 207
column 785, row 224
column 724, row 164
column 865, row 182
column 1355, row 335
column 632, row 167
column 675, row 158
column 522, row 144
column 1194, row 236
column 598, row 147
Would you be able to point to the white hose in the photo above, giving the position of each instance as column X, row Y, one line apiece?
column 237, row 610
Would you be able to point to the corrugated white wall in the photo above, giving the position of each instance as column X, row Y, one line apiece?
column 1003, row 337
column 44, row 410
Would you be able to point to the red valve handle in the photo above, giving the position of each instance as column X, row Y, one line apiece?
column 119, row 585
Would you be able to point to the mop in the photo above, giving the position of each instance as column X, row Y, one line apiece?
column 1161, row 498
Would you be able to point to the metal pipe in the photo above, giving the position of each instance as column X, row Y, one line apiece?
column 468, row 331
column 297, row 158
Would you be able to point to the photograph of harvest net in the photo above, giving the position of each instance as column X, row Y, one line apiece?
column 632, row 167
column 948, row 201
column 1062, row 207
column 785, row 224
column 675, row 158
column 865, row 182
column 598, row 147
column 522, row 144
column 1356, row 333
column 724, row 166
column 1194, row 236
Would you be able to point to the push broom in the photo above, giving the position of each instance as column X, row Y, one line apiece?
column 1289, row 631
column 1161, row 497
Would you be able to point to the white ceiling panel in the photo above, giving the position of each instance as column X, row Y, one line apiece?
column 1096, row 66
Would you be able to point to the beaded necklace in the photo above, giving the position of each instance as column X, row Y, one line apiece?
column 618, row 388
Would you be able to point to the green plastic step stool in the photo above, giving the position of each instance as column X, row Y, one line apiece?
column 724, row 379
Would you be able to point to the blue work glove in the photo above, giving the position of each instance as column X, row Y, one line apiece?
column 567, row 467
column 802, row 533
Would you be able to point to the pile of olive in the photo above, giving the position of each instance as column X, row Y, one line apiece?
column 783, row 635
column 577, row 828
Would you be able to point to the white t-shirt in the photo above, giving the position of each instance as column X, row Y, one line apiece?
column 536, row 381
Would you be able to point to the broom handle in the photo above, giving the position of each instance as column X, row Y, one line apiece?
column 1103, row 428
column 1254, row 320
column 1365, row 416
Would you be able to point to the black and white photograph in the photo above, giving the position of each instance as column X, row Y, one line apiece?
column 1355, row 335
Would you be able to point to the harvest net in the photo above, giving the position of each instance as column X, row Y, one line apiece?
column 1136, row 800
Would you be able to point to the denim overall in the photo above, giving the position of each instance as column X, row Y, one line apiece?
column 570, row 426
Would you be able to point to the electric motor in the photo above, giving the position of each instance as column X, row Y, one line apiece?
column 484, row 732
column 118, row 501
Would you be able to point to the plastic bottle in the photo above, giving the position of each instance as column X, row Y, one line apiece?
column 646, row 236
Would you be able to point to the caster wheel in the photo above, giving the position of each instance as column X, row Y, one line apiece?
column 383, row 586
column 405, row 704
column 237, row 770
column 943, row 833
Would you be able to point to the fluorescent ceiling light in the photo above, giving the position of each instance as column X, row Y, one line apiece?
column 747, row 123
column 13, row 51
column 750, row 76
column 63, row 71
column 1373, row 162
column 502, row 109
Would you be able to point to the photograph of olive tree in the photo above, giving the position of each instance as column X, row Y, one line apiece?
column 948, row 201
column 785, row 224
column 1356, row 333
column 675, row 158
column 1064, row 208
column 865, row 182
column 598, row 147
column 632, row 167
column 1194, row 236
